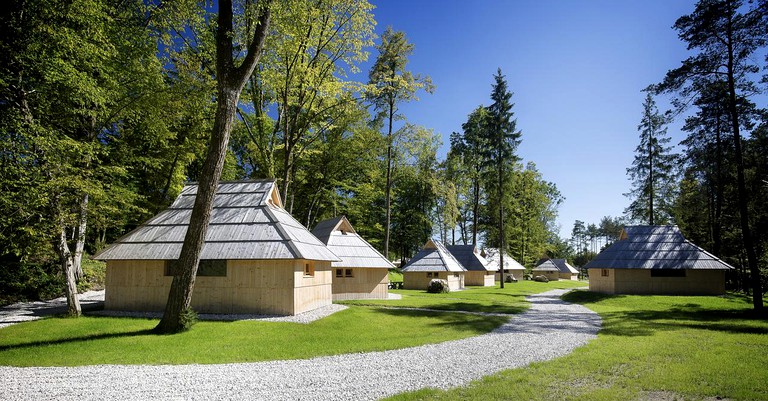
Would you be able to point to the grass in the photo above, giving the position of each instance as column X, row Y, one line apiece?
column 395, row 276
column 108, row 340
column 511, row 299
column 650, row 347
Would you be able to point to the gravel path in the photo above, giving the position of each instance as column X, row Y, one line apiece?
column 550, row 328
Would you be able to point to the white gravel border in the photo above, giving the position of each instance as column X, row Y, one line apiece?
column 549, row 329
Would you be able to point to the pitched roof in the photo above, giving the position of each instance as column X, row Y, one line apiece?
column 433, row 258
column 492, row 256
column 337, row 233
column 547, row 265
column 469, row 257
column 561, row 264
column 247, row 222
column 655, row 247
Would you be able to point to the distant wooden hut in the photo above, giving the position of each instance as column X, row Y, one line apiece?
column 656, row 260
column 478, row 273
column 362, row 272
column 433, row 262
column 565, row 270
column 256, row 257
column 548, row 269
column 511, row 266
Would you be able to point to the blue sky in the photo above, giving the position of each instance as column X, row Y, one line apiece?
column 577, row 69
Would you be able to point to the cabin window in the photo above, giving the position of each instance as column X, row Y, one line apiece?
column 206, row 268
column 348, row 273
column 339, row 272
column 667, row 272
column 429, row 274
column 604, row 272
column 455, row 274
column 212, row 268
column 309, row 269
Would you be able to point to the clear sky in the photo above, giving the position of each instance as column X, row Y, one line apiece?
column 576, row 68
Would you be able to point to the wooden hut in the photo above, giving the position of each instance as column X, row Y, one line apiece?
column 256, row 257
column 511, row 267
column 565, row 270
column 362, row 272
column 656, row 260
column 433, row 262
column 478, row 273
column 548, row 269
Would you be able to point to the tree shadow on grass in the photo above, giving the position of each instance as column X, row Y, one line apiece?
column 686, row 315
column 461, row 321
column 71, row 340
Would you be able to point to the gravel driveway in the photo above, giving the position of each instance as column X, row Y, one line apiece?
column 550, row 328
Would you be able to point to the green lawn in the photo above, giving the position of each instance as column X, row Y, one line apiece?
column 511, row 299
column 107, row 340
column 650, row 348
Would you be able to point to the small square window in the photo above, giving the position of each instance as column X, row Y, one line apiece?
column 348, row 273
column 339, row 273
column 604, row 272
column 309, row 269
column 212, row 268
column 168, row 268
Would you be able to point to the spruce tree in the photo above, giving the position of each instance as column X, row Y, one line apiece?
column 502, row 139
column 653, row 170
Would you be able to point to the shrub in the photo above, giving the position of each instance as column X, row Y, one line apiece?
column 541, row 279
column 437, row 286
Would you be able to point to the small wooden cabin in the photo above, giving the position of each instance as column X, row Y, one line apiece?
column 433, row 262
column 511, row 267
column 362, row 272
column 565, row 270
column 478, row 273
column 256, row 258
column 548, row 269
column 656, row 260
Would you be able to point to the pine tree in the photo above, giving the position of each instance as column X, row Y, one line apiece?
column 653, row 170
column 502, row 139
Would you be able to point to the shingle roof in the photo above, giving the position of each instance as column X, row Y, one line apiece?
column 337, row 233
column 433, row 258
column 655, row 247
column 546, row 266
column 561, row 264
column 492, row 256
column 247, row 222
column 469, row 257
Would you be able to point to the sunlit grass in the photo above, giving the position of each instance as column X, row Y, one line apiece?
column 107, row 340
column 650, row 347
column 510, row 299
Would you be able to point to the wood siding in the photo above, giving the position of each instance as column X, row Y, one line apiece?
column 420, row 281
column 639, row 281
column 479, row 278
column 569, row 276
column 251, row 286
column 364, row 284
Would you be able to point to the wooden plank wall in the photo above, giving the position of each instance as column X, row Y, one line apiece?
column 251, row 286
column 479, row 278
column 365, row 284
column 639, row 281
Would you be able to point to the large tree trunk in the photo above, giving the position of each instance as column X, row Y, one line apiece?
column 475, row 208
column 501, row 220
column 388, row 185
column 230, row 83
column 65, row 260
column 77, row 258
column 746, row 233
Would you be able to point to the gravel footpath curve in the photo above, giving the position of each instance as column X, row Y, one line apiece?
column 550, row 328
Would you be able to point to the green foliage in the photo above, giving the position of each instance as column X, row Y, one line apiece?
column 653, row 172
column 438, row 287
column 28, row 281
column 649, row 347
column 94, row 275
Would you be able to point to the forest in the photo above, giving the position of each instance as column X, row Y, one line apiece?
column 107, row 110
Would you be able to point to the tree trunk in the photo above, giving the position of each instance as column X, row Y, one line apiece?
column 388, row 185
column 475, row 209
column 230, row 82
column 65, row 259
column 501, row 220
column 746, row 233
column 80, row 239
column 650, row 170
